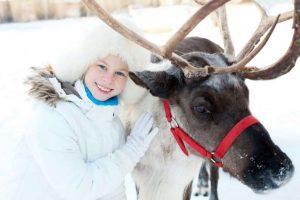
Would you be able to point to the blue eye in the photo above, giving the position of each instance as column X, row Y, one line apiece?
column 102, row 66
column 120, row 74
column 201, row 109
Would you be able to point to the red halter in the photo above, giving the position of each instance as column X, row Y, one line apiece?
column 217, row 155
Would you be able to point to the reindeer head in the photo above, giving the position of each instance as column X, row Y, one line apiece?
column 208, row 96
column 207, row 108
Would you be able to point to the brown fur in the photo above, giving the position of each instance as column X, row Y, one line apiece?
column 40, row 87
column 188, row 191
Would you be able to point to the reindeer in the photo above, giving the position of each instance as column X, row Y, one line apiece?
column 200, row 102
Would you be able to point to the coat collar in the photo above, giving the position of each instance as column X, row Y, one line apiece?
column 45, row 87
column 101, row 112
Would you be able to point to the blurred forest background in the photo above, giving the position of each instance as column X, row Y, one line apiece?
column 31, row 10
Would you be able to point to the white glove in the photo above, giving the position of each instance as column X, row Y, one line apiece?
column 137, row 143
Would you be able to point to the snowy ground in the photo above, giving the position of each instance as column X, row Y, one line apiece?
column 276, row 103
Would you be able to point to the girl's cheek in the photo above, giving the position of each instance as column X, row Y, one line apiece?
column 124, row 84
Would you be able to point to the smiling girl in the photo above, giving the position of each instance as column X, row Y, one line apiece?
column 74, row 145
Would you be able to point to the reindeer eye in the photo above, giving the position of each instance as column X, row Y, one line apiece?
column 201, row 109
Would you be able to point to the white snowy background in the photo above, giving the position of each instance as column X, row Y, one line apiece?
column 276, row 103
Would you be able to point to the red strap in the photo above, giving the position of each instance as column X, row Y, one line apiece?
column 179, row 141
column 167, row 110
column 192, row 143
column 180, row 135
column 233, row 134
column 224, row 145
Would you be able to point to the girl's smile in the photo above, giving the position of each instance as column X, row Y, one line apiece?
column 103, row 89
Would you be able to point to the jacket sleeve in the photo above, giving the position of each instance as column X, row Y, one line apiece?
column 55, row 149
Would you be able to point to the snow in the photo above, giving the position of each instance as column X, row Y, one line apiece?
column 276, row 103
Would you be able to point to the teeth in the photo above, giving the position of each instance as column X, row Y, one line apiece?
column 103, row 88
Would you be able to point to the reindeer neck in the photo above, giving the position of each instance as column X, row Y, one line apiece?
column 165, row 175
column 164, row 166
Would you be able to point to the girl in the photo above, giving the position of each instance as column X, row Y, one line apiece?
column 74, row 146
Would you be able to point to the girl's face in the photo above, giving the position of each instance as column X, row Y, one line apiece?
column 107, row 77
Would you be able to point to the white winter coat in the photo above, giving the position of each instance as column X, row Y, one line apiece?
column 65, row 151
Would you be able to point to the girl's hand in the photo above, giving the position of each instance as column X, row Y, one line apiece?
column 137, row 144
column 143, row 129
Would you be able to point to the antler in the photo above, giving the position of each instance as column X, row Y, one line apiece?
column 167, row 50
column 285, row 64
column 190, row 24
column 240, row 66
column 265, row 24
column 224, row 28
column 282, row 66
column 288, row 60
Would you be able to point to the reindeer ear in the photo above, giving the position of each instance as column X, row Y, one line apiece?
column 159, row 83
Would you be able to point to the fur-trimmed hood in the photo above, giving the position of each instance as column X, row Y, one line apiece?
column 42, row 89
column 95, row 40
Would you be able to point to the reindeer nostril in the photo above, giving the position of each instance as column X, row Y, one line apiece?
column 284, row 173
column 263, row 176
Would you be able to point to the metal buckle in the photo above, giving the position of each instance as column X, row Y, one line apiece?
column 215, row 160
column 173, row 123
